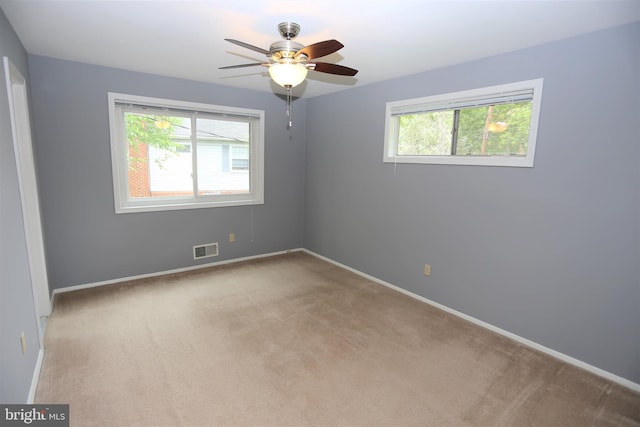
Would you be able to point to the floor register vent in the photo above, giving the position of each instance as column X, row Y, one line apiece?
column 205, row 251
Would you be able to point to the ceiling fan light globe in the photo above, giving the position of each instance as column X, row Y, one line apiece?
column 288, row 74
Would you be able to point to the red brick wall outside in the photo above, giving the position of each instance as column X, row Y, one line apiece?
column 139, row 180
column 139, row 185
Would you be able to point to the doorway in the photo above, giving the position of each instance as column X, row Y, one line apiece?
column 25, row 164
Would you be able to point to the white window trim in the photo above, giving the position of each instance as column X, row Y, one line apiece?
column 448, row 101
column 120, row 166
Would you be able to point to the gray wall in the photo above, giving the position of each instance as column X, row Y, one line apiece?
column 549, row 253
column 86, row 241
column 17, row 311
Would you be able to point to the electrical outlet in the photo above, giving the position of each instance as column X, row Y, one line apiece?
column 23, row 343
column 427, row 270
column 232, row 237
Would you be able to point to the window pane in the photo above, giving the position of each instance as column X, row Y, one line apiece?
column 494, row 130
column 158, row 163
column 216, row 140
column 425, row 133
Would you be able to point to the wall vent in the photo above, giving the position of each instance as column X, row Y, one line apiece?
column 205, row 251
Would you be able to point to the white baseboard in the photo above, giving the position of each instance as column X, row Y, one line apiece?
column 556, row 354
column 36, row 376
column 164, row 273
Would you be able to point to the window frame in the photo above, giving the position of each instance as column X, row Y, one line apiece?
column 448, row 102
column 119, row 155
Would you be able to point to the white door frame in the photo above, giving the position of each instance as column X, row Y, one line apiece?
column 21, row 131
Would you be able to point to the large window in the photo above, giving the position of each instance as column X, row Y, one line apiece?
column 180, row 155
column 493, row 126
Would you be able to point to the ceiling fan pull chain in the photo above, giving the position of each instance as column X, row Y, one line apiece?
column 289, row 106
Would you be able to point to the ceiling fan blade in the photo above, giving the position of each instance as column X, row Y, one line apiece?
column 254, row 64
column 340, row 70
column 320, row 49
column 250, row 46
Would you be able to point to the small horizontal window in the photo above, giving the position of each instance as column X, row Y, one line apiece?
column 176, row 155
column 493, row 126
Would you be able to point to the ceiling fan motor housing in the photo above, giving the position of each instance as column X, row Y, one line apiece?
column 284, row 49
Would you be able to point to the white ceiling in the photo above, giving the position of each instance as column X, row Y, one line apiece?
column 383, row 39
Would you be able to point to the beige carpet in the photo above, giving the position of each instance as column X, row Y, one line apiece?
column 293, row 341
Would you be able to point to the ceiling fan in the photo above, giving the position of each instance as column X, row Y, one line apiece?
column 289, row 61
